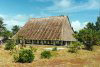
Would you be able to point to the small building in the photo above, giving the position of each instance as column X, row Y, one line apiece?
column 54, row 30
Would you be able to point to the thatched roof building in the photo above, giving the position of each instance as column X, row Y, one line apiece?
column 55, row 29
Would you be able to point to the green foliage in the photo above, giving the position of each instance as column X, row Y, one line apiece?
column 79, row 44
column 98, row 23
column 33, row 49
column 24, row 56
column 9, row 45
column 87, row 37
column 2, row 26
column 98, row 43
column 16, row 57
column 73, row 47
column 3, row 31
column 15, row 29
column 90, row 35
column 7, row 34
column 54, row 49
column 90, row 26
column 46, row 54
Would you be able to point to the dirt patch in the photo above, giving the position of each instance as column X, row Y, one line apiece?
column 61, row 63
column 79, row 61
column 97, row 58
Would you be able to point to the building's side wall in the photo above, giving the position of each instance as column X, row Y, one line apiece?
column 67, row 32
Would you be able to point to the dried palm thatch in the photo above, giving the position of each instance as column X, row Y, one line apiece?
column 51, row 28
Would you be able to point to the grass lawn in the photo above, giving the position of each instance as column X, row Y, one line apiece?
column 61, row 58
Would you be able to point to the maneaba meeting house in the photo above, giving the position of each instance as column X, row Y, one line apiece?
column 54, row 30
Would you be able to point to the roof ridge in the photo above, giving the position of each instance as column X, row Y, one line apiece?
column 47, row 17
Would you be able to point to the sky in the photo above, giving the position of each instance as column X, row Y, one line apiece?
column 80, row 12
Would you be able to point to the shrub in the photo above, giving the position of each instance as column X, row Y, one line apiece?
column 24, row 55
column 79, row 45
column 98, row 43
column 73, row 47
column 89, row 46
column 9, row 45
column 16, row 57
column 54, row 49
column 46, row 54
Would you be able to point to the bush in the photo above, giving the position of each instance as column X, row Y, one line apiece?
column 54, row 49
column 88, row 36
column 98, row 43
column 73, row 47
column 16, row 57
column 89, row 46
column 24, row 55
column 9, row 45
column 79, row 45
column 46, row 54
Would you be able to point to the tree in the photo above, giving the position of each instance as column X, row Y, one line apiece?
column 6, row 34
column 15, row 29
column 90, row 26
column 98, row 23
column 3, row 31
column 96, row 38
column 2, row 26
column 86, row 36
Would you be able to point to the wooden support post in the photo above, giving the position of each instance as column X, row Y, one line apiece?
column 41, row 42
column 54, row 43
column 61, row 43
column 32, row 42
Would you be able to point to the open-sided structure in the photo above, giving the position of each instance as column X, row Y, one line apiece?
column 55, row 30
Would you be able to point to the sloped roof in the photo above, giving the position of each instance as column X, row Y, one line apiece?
column 51, row 28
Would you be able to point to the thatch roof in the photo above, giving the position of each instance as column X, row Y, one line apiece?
column 51, row 28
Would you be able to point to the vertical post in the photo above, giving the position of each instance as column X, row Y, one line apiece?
column 61, row 43
column 41, row 42
column 66, row 43
column 54, row 43
column 32, row 42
